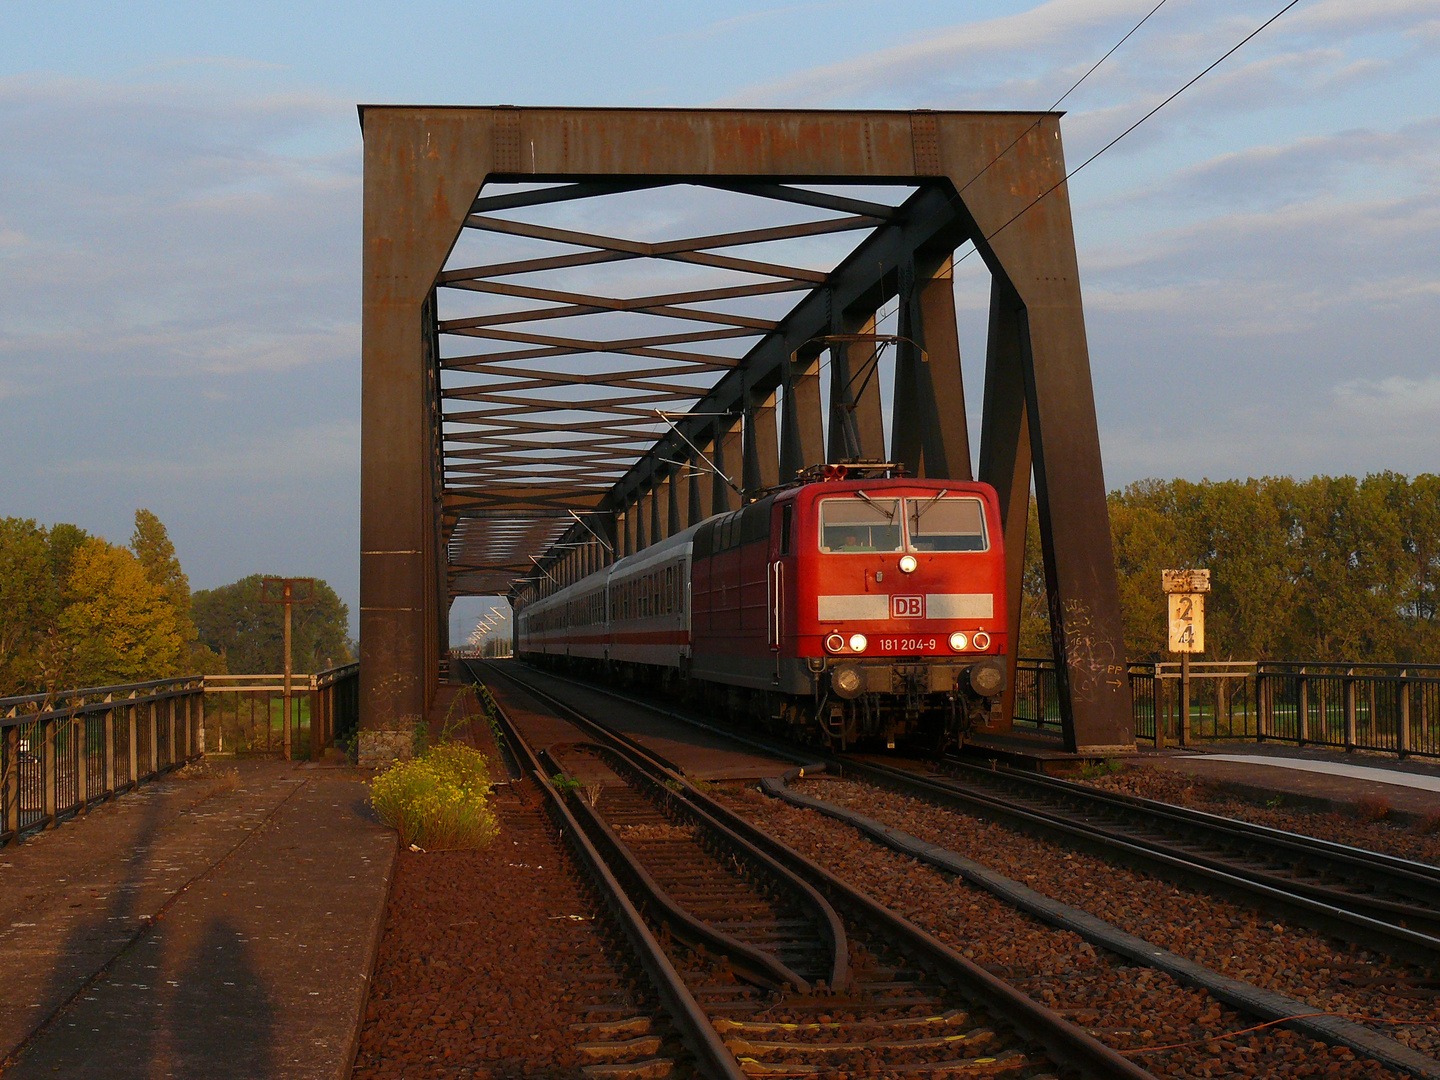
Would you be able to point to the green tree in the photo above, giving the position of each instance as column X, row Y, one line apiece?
column 250, row 635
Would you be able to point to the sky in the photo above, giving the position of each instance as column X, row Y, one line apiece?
column 180, row 226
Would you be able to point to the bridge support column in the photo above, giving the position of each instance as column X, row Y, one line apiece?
column 856, row 426
column 802, row 441
column 729, row 460
column 1005, row 457
column 761, row 444
column 421, row 176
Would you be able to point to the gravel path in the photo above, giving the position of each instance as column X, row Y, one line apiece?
column 1126, row 1006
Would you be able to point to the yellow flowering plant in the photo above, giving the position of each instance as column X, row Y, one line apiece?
column 438, row 801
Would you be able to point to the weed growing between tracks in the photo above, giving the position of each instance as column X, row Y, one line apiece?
column 438, row 801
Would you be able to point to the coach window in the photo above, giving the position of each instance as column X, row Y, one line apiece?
column 940, row 524
column 859, row 524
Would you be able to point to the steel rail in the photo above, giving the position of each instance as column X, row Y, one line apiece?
column 1064, row 1042
column 752, row 964
column 714, row 1060
column 1255, row 1001
column 1175, row 864
column 1330, row 917
column 1403, row 877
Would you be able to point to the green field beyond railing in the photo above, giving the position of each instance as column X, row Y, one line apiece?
column 1386, row 707
column 246, row 714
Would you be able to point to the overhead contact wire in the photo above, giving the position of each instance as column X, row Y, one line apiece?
column 1056, row 103
column 1066, row 178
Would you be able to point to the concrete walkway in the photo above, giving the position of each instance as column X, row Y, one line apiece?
column 212, row 925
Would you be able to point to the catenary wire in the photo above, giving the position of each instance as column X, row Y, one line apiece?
column 1056, row 103
column 1065, row 179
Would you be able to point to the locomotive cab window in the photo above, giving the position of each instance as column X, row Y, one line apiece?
column 859, row 525
column 946, row 524
column 787, row 526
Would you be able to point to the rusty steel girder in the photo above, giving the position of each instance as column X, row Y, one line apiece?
column 511, row 445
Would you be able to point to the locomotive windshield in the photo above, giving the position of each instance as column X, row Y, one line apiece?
column 946, row 524
column 860, row 525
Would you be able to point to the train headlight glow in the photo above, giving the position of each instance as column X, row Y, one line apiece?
column 835, row 643
column 858, row 642
column 958, row 642
column 981, row 640
column 908, row 563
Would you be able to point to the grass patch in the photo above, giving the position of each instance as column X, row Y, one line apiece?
column 1099, row 769
column 438, row 801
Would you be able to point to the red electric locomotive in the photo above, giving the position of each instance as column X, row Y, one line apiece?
column 856, row 609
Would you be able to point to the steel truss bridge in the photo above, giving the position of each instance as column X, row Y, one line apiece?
column 586, row 329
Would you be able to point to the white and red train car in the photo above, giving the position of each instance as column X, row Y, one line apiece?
column 857, row 609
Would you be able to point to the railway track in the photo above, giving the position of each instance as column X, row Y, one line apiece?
column 794, row 972
column 1383, row 903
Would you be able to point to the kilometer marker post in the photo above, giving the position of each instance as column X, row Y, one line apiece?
column 1185, row 596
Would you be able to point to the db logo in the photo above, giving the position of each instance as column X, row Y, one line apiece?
column 907, row 607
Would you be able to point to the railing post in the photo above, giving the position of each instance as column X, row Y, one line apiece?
column 1404, row 747
column 170, row 732
column 1157, row 698
column 1302, row 720
column 110, row 745
column 1263, row 720
column 79, row 736
column 50, row 765
column 1350, row 736
column 10, row 781
column 1371, row 730
column 154, row 738
column 132, row 774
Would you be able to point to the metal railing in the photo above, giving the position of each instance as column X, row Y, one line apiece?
column 1391, row 708
column 1388, row 707
column 249, row 714
column 61, row 752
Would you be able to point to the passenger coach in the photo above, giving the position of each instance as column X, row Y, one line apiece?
column 853, row 609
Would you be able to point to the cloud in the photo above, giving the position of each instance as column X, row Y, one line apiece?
column 304, row 455
column 174, row 231
column 941, row 51
column 1391, row 400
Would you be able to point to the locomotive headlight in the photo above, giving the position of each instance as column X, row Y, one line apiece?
column 908, row 563
column 847, row 681
column 835, row 643
column 958, row 642
column 981, row 640
column 858, row 642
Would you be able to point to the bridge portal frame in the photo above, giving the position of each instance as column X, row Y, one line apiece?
column 424, row 168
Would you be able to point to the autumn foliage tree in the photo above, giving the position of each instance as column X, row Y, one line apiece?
column 1330, row 568
column 77, row 610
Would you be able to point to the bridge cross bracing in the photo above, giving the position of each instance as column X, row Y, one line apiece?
column 599, row 378
column 587, row 329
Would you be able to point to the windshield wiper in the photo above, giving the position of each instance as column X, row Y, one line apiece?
column 929, row 503
column 889, row 514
